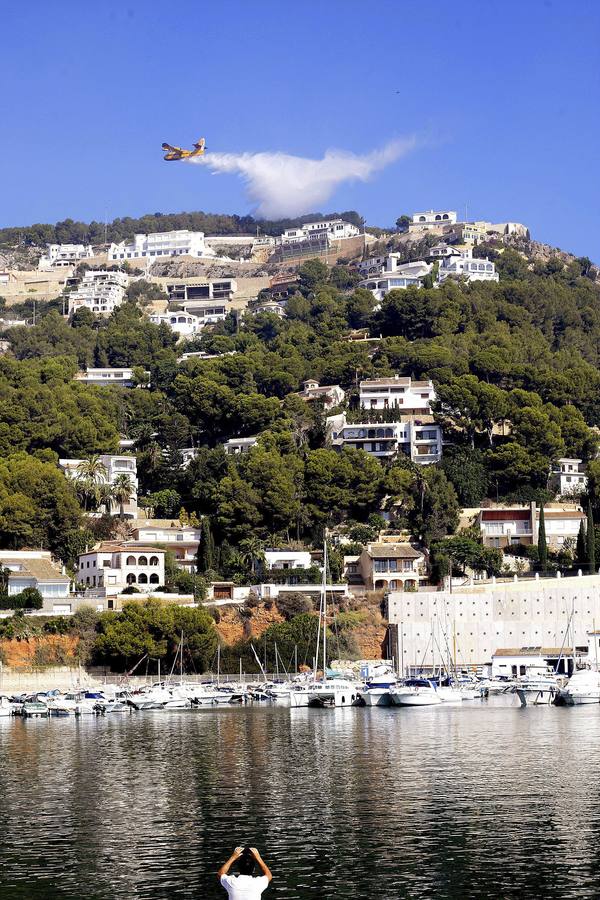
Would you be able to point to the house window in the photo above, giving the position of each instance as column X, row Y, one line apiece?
column 143, row 561
column 143, row 579
column 154, row 578
column 130, row 561
column 154, row 560
column 131, row 578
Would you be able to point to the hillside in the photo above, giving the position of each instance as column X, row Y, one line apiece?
column 515, row 366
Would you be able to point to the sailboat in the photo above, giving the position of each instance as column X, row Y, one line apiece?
column 326, row 691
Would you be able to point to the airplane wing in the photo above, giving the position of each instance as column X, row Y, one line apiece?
column 172, row 149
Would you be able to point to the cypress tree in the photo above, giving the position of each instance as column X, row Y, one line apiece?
column 591, row 540
column 542, row 543
column 206, row 547
column 581, row 549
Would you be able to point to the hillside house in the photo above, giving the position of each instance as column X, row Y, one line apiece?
column 568, row 476
column 411, row 398
column 391, row 567
column 432, row 219
column 37, row 569
column 161, row 244
column 115, row 565
column 330, row 395
column 120, row 376
column 235, row 446
column 503, row 526
column 420, row 441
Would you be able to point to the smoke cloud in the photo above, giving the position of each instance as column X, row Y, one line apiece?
column 286, row 186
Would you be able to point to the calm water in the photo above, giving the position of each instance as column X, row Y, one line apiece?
column 480, row 800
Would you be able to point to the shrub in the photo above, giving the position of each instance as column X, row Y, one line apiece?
column 294, row 604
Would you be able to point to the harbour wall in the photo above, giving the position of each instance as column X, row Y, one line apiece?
column 471, row 623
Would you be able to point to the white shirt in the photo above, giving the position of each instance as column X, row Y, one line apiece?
column 244, row 887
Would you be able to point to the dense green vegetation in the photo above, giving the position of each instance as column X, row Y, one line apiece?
column 515, row 366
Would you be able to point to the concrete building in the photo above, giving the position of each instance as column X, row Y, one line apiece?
column 479, row 620
column 159, row 245
column 37, row 569
column 470, row 269
column 185, row 324
column 109, row 375
column 411, row 398
column 201, row 289
column 384, row 440
column 288, row 559
column 115, row 565
column 390, row 567
column 99, row 291
column 329, row 395
column 432, row 219
column 64, row 255
column 392, row 263
column 568, row 477
column 182, row 540
column 503, row 526
column 114, row 466
column 235, row 446
column 333, row 229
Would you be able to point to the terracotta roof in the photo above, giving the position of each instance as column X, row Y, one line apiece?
column 502, row 515
column 393, row 551
column 175, row 524
column 122, row 547
column 564, row 514
column 386, row 382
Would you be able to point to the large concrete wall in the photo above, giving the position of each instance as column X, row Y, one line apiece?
column 479, row 620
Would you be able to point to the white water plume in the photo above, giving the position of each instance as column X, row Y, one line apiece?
column 286, row 186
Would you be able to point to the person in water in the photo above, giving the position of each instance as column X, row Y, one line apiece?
column 245, row 886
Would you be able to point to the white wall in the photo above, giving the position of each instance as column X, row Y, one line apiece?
column 485, row 619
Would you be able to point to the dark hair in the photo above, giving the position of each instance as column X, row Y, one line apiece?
column 246, row 862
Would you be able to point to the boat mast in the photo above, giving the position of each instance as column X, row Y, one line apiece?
column 324, row 604
column 219, row 663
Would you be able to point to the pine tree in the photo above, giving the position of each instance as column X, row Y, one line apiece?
column 542, row 543
column 581, row 549
column 591, row 540
column 206, row 548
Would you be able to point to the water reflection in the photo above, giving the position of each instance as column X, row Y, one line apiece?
column 482, row 801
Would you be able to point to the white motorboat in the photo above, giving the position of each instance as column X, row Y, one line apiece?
column 582, row 687
column 376, row 696
column 416, row 692
column 6, row 707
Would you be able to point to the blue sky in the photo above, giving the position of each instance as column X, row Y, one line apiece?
column 501, row 96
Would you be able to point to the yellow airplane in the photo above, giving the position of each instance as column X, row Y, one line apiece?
column 179, row 153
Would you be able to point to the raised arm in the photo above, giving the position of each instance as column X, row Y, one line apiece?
column 226, row 866
column 263, row 866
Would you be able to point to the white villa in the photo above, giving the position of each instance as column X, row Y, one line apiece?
column 182, row 323
column 115, row 565
column 433, row 218
column 239, row 445
column 108, row 375
column 384, row 440
column 161, row 244
column 471, row 269
column 568, row 476
column 99, row 291
column 63, row 255
column 410, row 397
column 113, row 467
column 502, row 526
column 333, row 229
column 288, row 559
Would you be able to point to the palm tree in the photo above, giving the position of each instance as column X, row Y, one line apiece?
column 252, row 553
column 90, row 475
column 122, row 491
